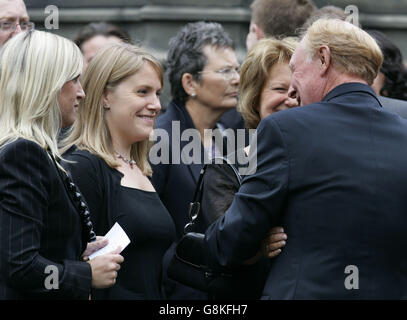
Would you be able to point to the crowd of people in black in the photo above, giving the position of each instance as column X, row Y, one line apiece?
column 326, row 187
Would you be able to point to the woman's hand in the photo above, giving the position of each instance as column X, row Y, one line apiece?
column 93, row 247
column 104, row 269
column 272, row 244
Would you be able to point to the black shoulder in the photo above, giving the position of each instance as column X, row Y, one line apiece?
column 23, row 149
column 81, row 160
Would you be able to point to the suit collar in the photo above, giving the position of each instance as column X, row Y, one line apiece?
column 348, row 88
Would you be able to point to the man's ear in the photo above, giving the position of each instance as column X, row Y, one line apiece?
column 324, row 57
column 189, row 84
column 259, row 32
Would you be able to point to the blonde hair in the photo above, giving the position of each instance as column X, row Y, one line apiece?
column 255, row 72
column 353, row 50
column 34, row 66
column 107, row 70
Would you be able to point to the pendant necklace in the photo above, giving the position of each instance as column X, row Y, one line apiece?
column 131, row 162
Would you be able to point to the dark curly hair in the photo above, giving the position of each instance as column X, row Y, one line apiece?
column 185, row 54
column 395, row 84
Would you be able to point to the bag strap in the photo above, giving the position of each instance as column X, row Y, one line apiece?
column 195, row 205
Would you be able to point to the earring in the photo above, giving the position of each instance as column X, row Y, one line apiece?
column 106, row 107
column 193, row 94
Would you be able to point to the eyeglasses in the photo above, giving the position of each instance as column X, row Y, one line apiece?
column 11, row 26
column 227, row 73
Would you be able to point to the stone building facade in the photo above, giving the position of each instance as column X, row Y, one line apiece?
column 153, row 22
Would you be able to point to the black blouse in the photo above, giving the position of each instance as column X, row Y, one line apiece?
column 141, row 215
column 151, row 231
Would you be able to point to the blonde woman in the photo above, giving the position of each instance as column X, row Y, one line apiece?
column 43, row 230
column 122, row 85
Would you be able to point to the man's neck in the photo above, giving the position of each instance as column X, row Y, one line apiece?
column 336, row 79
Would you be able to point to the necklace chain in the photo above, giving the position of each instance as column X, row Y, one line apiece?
column 130, row 162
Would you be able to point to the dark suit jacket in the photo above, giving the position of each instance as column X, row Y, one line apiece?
column 39, row 226
column 333, row 174
column 394, row 105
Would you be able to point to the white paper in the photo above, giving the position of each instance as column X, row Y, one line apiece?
column 117, row 238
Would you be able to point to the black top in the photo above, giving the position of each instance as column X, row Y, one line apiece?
column 40, row 227
column 101, row 187
column 151, row 230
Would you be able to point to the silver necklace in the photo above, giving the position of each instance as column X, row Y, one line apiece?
column 131, row 162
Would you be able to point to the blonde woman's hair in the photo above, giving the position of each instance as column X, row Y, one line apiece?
column 255, row 73
column 111, row 65
column 353, row 50
column 34, row 66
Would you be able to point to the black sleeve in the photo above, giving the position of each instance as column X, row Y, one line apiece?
column 258, row 204
column 85, row 174
column 25, row 180
column 219, row 187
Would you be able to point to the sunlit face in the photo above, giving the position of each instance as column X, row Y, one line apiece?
column 306, row 83
column 214, row 90
column 132, row 106
column 93, row 45
column 274, row 95
column 12, row 11
column 68, row 99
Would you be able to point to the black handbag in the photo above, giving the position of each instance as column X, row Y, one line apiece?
column 190, row 262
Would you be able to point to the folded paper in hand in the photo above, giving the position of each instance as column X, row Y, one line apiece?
column 117, row 238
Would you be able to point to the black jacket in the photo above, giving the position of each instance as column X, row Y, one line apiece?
column 99, row 184
column 333, row 174
column 39, row 227
column 394, row 105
